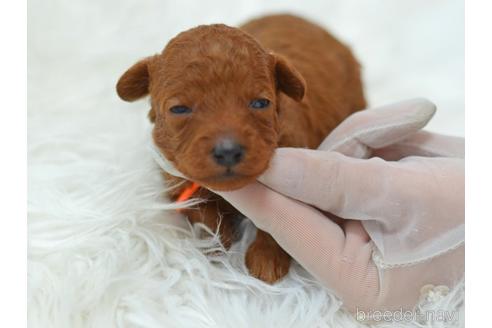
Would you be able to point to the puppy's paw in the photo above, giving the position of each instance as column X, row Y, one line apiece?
column 226, row 233
column 267, row 262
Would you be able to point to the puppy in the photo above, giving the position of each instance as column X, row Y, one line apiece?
column 223, row 98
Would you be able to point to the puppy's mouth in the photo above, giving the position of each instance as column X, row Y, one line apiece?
column 228, row 179
column 226, row 175
column 229, row 174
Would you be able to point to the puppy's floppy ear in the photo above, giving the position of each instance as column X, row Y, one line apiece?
column 289, row 80
column 134, row 83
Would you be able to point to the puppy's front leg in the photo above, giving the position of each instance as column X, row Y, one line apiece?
column 266, row 260
column 211, row 214
column 214, row 212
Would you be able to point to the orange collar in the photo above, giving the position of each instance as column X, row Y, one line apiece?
column 188, row 192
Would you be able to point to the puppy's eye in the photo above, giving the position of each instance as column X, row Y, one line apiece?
column 259, row 103
column 180, row 109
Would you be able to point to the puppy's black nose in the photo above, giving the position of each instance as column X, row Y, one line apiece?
column 227, row 152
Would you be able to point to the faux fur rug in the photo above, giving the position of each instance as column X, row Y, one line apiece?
column 106, row 249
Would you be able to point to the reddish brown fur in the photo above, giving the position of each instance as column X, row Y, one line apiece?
column 310, row 78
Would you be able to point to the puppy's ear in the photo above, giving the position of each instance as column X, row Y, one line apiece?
column 134, row 83
column 289, row 80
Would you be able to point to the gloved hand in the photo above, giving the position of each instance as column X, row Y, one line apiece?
column 375, row 214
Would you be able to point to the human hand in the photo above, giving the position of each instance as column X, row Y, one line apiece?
column 408, row 202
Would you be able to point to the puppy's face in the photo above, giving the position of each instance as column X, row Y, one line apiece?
column 214, row 96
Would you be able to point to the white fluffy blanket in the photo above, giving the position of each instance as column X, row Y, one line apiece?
column 106, row 249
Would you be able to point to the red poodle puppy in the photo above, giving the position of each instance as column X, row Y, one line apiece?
column 223, row 98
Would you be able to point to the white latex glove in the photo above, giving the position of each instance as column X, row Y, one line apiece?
column 402, row 212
